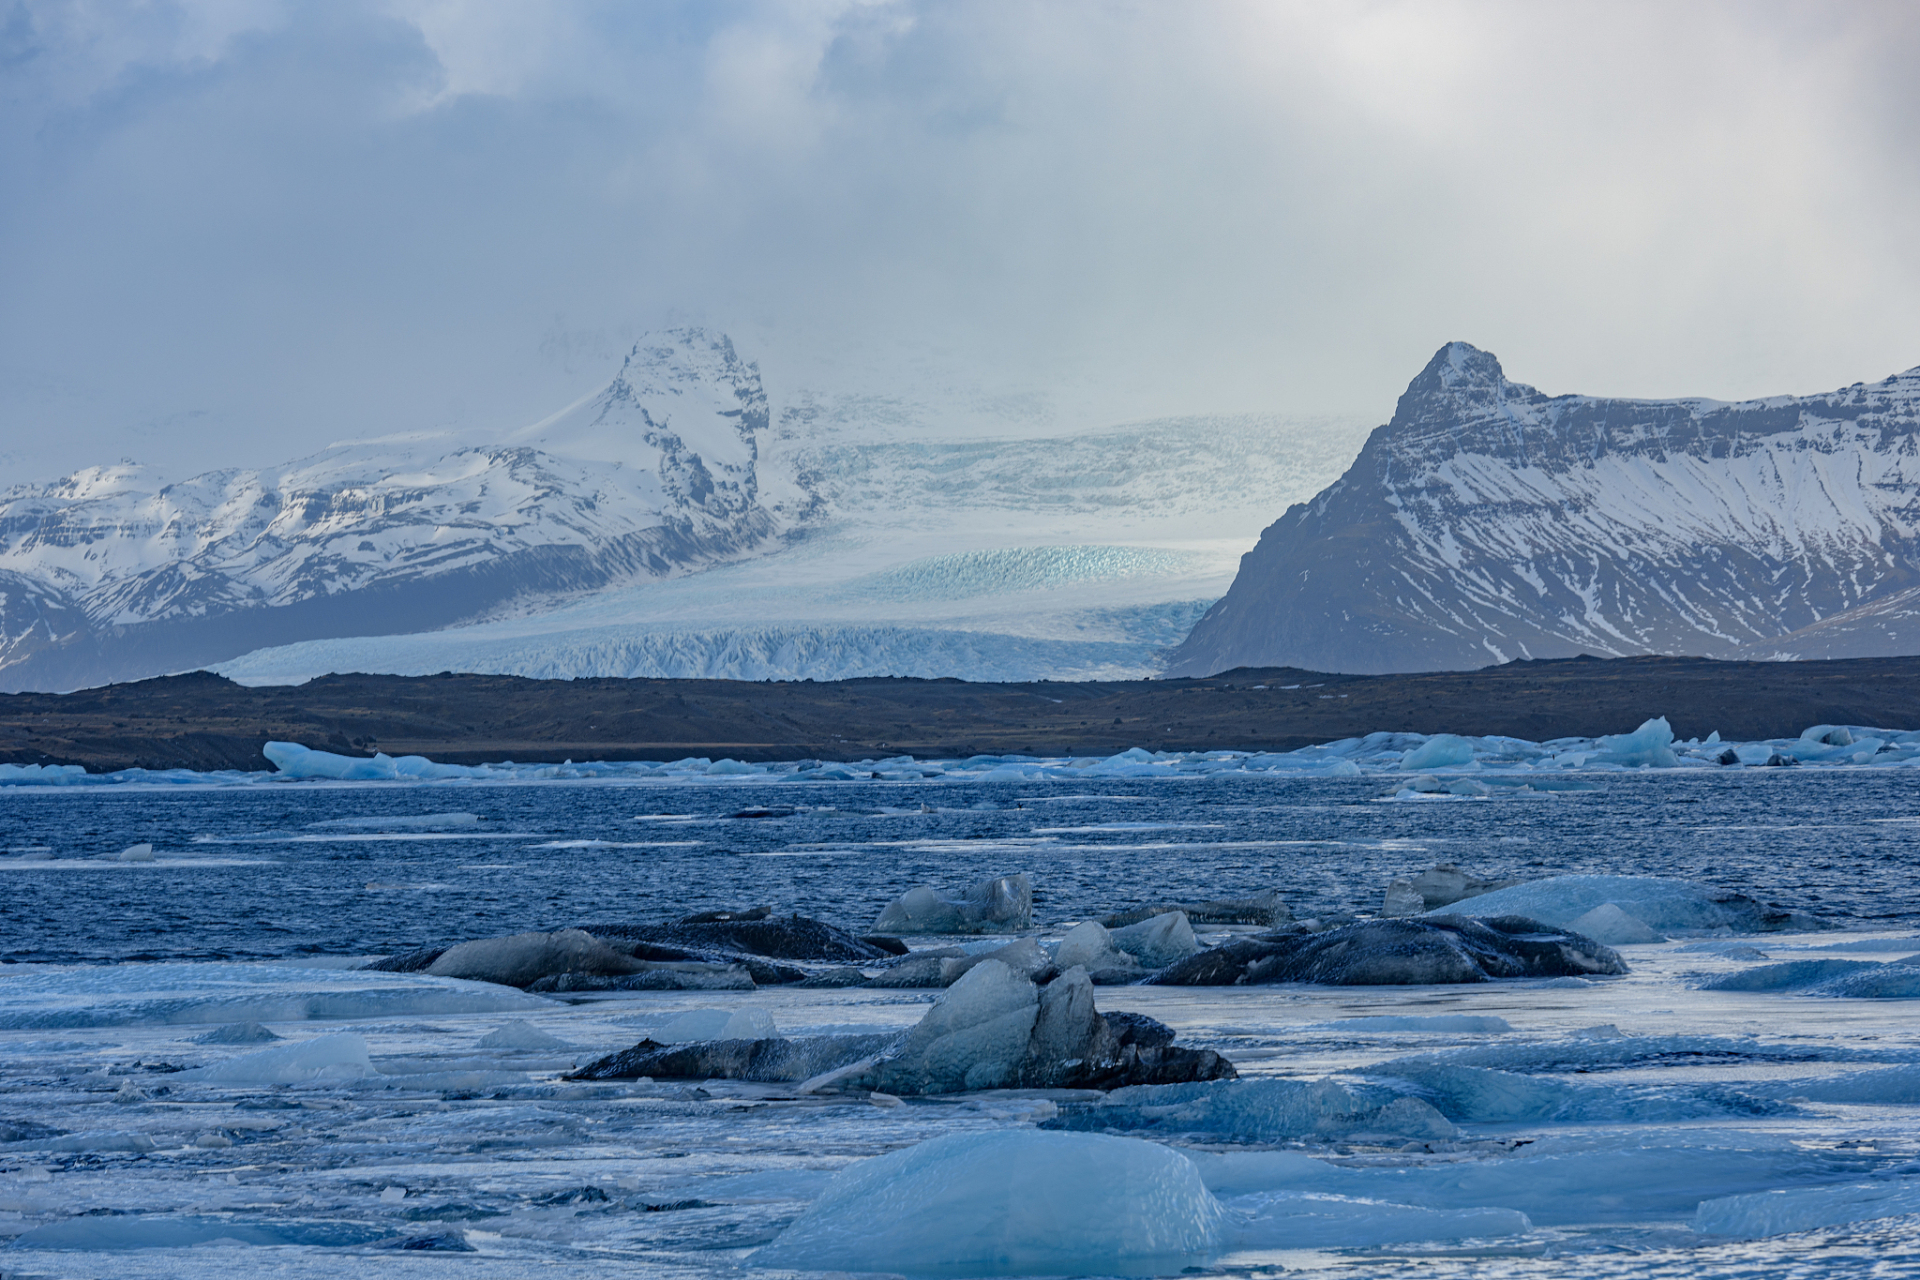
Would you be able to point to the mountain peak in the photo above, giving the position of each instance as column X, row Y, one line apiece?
column 1459, row 366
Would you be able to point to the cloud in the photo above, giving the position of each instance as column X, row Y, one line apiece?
column 236, row 228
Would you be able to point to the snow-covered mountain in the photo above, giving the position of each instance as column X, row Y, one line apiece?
column 106, row 575
column 1488, row 522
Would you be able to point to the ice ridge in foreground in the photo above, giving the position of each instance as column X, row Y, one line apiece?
column 1460, row 768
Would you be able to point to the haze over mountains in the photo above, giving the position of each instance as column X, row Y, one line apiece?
column 1488, row 522
column 679, row 522
column 682, row 522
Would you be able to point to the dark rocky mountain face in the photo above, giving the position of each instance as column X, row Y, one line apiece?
column 107, row 576
column 1489, row 522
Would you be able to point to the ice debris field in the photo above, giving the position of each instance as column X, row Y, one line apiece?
column 1659, row 1023
column 1470, row 765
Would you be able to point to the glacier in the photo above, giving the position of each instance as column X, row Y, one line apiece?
column 686, row 519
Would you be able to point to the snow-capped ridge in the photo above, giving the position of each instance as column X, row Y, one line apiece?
column 118, row 576
column 1489, row 521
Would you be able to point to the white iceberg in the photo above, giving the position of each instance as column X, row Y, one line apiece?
column 1009, row 1203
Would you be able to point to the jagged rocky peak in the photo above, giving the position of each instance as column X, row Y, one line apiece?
column 111, row 577
column 1488, row 521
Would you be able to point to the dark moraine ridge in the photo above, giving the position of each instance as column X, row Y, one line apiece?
column 201, row 721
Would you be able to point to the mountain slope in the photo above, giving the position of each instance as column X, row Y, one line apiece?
column 1488, row 522
column 106, row 576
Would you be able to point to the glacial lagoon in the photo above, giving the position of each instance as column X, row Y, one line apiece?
column 197, row 1078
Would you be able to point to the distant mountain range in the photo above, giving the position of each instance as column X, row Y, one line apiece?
column 1488, row 522
column 892, row 518
column 105, row 575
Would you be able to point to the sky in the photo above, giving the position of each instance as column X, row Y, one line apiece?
column 234, row 231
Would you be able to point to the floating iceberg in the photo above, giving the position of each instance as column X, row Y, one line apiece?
column 186, row 1231
column 1498, row 765
column 228, row 992
column 525, row 958
column 1159, row 942
column 340, row 1056
column 1668, row 906
column 1845, row 979
column 1009, row 1204
column 1772, row 1213
column 998, row 904
column 717, row 1024
column 1317, row 1220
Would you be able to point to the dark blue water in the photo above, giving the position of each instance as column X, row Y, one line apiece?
column 1844, row 844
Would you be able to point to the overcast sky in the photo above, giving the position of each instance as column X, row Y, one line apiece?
column 233, row 230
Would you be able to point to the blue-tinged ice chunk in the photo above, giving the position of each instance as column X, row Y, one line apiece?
column 340, row 1056
column 1890, row 1086
column 1772, row 1213
column 296, row 761
column 1896, row 981
column 1438, row 1022
column 1441, row 751
column 1609, row 1176
column 1478, row 1095
column 124, row 995
column 1261, row 1111
column 1793, row 975
column 185, row 1231
column 1009, row 1203
column 1669, row 906
column 1316, row 1220
column 1650, row 744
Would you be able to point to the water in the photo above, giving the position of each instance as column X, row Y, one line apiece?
column 489, row 1149
column 253, row 873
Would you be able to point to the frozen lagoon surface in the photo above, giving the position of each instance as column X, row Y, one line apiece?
column 1633, row 1126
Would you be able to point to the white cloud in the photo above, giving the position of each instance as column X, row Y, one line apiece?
column 239, row 225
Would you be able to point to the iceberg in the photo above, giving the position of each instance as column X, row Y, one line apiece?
column 1649, row 746
column 1667, row 906
column 340, row 1056
column 1609, row 924
column 524, row 958
column 1089, row 946
column 1158, row 942
column 717, row 1024
column 1441, row 751
column 1009, row 1204
column 974, row 1037
column 1773, row 1213
column 1259, row 1111
column 1318, row 1220
column 187, row 1230
column 999, row 904
column 217, row 992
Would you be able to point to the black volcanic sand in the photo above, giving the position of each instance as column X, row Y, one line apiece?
column 201, row 721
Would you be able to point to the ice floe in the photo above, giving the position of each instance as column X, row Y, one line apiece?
column 1009, row 1204
column 1453, row 764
